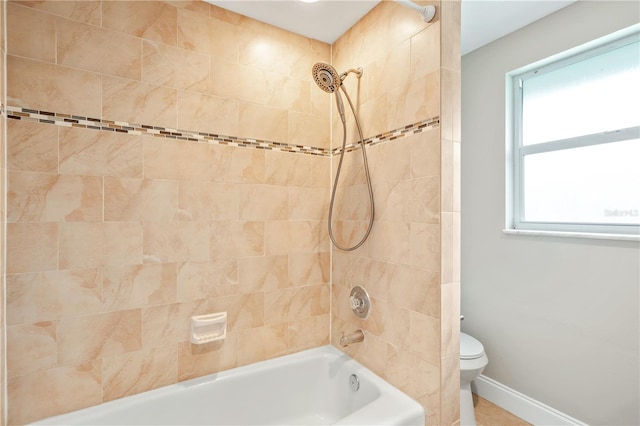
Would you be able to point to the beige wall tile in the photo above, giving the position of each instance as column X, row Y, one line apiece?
column 425, row 153
column 175, row 242
column 415, row 102
column 446, row 247
column 425, row 246
column 392, row 67
column 207, row 279
column 294, row 237
column 417, row 290
column 139, row 371
column 450, row 34
column 263, row 273
column 31, row 348
column 237, row 165
column 263, row 202
column 39, row 197
column 390, row 242
column 207, row 200
column 176, row 160
column 296, row 303
column 30, row 33
column 169, row 66
column 262, row 122
column 308, row 130
column 84, row 11
column 284, row 168
column 425, row 200
column 32, row 247
column 54, row 391
column 151, row 20
column 98, row 336
column 209, row 114
column 258, row 344
column 390, row 200
column 140, row 199
column 54, row 88
column 263, row 46
column 199, row 360
column 32, row 147
column 456, row 177
column 139, row 103
column 308, row 203
column 311, row 268
column 95, row 49
column 389, row 322
column 450, row 319
column 292, row 94
column 229, row 239
column 425, row 51
column 135, row 286
column 94, row 153
column 449, row 390
column 87, row 245
column 194, row 6
column 447, row 175
column 207, row 35
column 52, row 295
column 391, row 161
column 234, row 81
column 309, row 333
column 424, row 333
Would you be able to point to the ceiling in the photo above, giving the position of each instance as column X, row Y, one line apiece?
column 483, row 21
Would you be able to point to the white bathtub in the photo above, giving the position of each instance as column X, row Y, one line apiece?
column 307, row 388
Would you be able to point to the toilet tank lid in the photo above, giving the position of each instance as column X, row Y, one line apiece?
column 470, row 348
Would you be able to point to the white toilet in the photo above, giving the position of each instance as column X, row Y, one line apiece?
column 472, row 362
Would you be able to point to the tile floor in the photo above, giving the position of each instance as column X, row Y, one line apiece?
column 489, row 414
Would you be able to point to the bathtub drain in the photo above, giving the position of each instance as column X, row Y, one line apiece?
column 354, row 382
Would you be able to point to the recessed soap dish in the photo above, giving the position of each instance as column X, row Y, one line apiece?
column 208, row 328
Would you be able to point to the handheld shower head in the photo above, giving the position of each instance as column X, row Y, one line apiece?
column 326, row 77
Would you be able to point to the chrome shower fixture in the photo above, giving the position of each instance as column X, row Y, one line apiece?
column 427, row 12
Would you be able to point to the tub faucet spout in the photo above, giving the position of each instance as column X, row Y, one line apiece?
column 354, row 337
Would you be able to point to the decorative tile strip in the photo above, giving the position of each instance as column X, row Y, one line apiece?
column 66, row 120
column 408, row 130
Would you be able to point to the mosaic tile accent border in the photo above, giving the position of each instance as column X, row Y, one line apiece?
column 67, row 120
column 408, row 130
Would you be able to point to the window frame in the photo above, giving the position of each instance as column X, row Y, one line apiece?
column 516, row 151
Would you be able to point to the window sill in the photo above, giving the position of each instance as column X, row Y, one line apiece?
column 619, row 237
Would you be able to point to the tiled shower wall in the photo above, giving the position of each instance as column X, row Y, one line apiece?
column 118, row 236
column 409, row 264
column 121, row 226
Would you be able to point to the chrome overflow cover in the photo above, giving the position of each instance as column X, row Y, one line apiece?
column 354, row 382
column 359, row 302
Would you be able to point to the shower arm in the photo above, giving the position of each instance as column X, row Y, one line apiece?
column 357, row 72
column 427, row 12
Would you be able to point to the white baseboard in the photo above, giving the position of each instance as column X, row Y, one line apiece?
column 526, row 408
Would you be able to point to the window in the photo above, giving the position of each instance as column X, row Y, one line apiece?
column 576, row 141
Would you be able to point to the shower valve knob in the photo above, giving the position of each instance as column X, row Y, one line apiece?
column 355, row 303
column 359, row 302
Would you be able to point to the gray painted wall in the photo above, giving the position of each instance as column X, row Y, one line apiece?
column 559, row 317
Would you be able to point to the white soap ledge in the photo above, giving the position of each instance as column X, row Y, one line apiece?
column 208, row 328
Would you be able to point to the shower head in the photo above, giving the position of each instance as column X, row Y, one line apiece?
column 326, row 77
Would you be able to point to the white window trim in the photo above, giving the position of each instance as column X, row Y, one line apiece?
column 515, row 151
